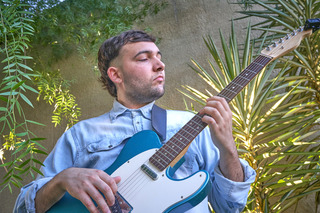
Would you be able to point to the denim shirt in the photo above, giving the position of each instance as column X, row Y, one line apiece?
column 96, row 143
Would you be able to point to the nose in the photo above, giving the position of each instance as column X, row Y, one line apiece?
column 158, row 65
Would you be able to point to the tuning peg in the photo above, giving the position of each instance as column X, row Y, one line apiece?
column 287, row 37
column 281, row 40
column 300, row 29
column 268, row 48
column 274, row 44
column 294, row 33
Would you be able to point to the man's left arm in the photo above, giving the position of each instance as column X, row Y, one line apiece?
column 218, row 116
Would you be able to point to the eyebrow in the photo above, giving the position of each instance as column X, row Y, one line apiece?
column 146, row 51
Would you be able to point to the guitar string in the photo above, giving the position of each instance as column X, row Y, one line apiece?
column 134, row 183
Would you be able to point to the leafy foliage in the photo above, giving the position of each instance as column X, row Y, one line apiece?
column 276, row 18
column 275, row 131
column 16, row 31
column 85, row 24
column 55, row 91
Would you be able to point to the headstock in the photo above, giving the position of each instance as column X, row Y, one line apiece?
column 291, row 41
column 286, row 44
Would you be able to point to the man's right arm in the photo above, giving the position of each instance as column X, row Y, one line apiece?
column 82, row 184
column 60, row 176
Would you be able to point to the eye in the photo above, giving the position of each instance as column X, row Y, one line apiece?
column 143, row 59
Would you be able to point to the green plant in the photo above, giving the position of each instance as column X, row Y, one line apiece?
column 85, row 24
column 275, row 18
column 273, row 129
column 15, row 33
column 55, row 91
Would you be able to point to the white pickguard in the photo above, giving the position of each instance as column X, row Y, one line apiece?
column 147, row 195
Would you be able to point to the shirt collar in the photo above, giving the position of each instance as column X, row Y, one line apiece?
column 118, row 109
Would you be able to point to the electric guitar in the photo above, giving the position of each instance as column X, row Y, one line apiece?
column 146, row 167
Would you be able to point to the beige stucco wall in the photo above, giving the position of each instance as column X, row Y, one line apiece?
column 180, row 26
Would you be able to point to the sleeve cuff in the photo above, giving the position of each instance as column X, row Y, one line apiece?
column 236, row 191
column 31, row 191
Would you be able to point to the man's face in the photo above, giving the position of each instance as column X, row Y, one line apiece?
column 142, row 73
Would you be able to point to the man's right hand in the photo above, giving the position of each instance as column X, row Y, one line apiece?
column 83, row 184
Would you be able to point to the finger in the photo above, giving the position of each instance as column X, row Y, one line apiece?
column 106, row 190
column 95, row 194
column 221, row 100
column 110, row 181
column 213, row 113
column 87, row 202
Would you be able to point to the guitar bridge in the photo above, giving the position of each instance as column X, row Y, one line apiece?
column 120, row 205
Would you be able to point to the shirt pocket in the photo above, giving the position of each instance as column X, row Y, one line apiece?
column 106, row 144
column 102, row 153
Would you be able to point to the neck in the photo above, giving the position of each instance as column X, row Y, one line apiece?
column 132, row 105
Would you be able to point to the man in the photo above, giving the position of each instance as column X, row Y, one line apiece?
column 132, row 71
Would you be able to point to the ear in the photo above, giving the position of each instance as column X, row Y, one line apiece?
column 114, row 75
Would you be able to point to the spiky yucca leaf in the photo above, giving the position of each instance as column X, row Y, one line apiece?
column 271, row 125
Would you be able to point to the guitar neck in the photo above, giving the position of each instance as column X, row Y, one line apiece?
column 178, row 144
column 238, row 83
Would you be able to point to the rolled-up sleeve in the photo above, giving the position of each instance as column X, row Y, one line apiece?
column 226, row 195
column 231, row 195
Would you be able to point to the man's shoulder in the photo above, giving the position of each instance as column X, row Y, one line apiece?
column 177, row 118
column 180, row 113
column 91, row 123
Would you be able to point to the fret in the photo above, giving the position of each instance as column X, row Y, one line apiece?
column 234, row 86
column 246, row 79
column 156, row 161
column 186, row 131
column 169, row 151
column 225, row 97
column 176, row 140
column 173, row 148
column 199, row 124
column 196, row 129
column 249, row 73
column 181, row 136
column 163, row 153
column 231, row 91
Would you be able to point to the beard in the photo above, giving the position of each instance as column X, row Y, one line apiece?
column 143, row 93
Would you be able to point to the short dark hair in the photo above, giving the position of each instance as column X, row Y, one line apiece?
column 110, row 49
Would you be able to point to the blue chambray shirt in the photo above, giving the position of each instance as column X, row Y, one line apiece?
column 96, row 143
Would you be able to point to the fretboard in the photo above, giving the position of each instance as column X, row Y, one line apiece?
column 182, row 139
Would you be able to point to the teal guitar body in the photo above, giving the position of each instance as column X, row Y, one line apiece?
column 143, row 187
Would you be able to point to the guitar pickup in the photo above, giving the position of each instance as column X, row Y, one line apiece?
column 146, row 169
